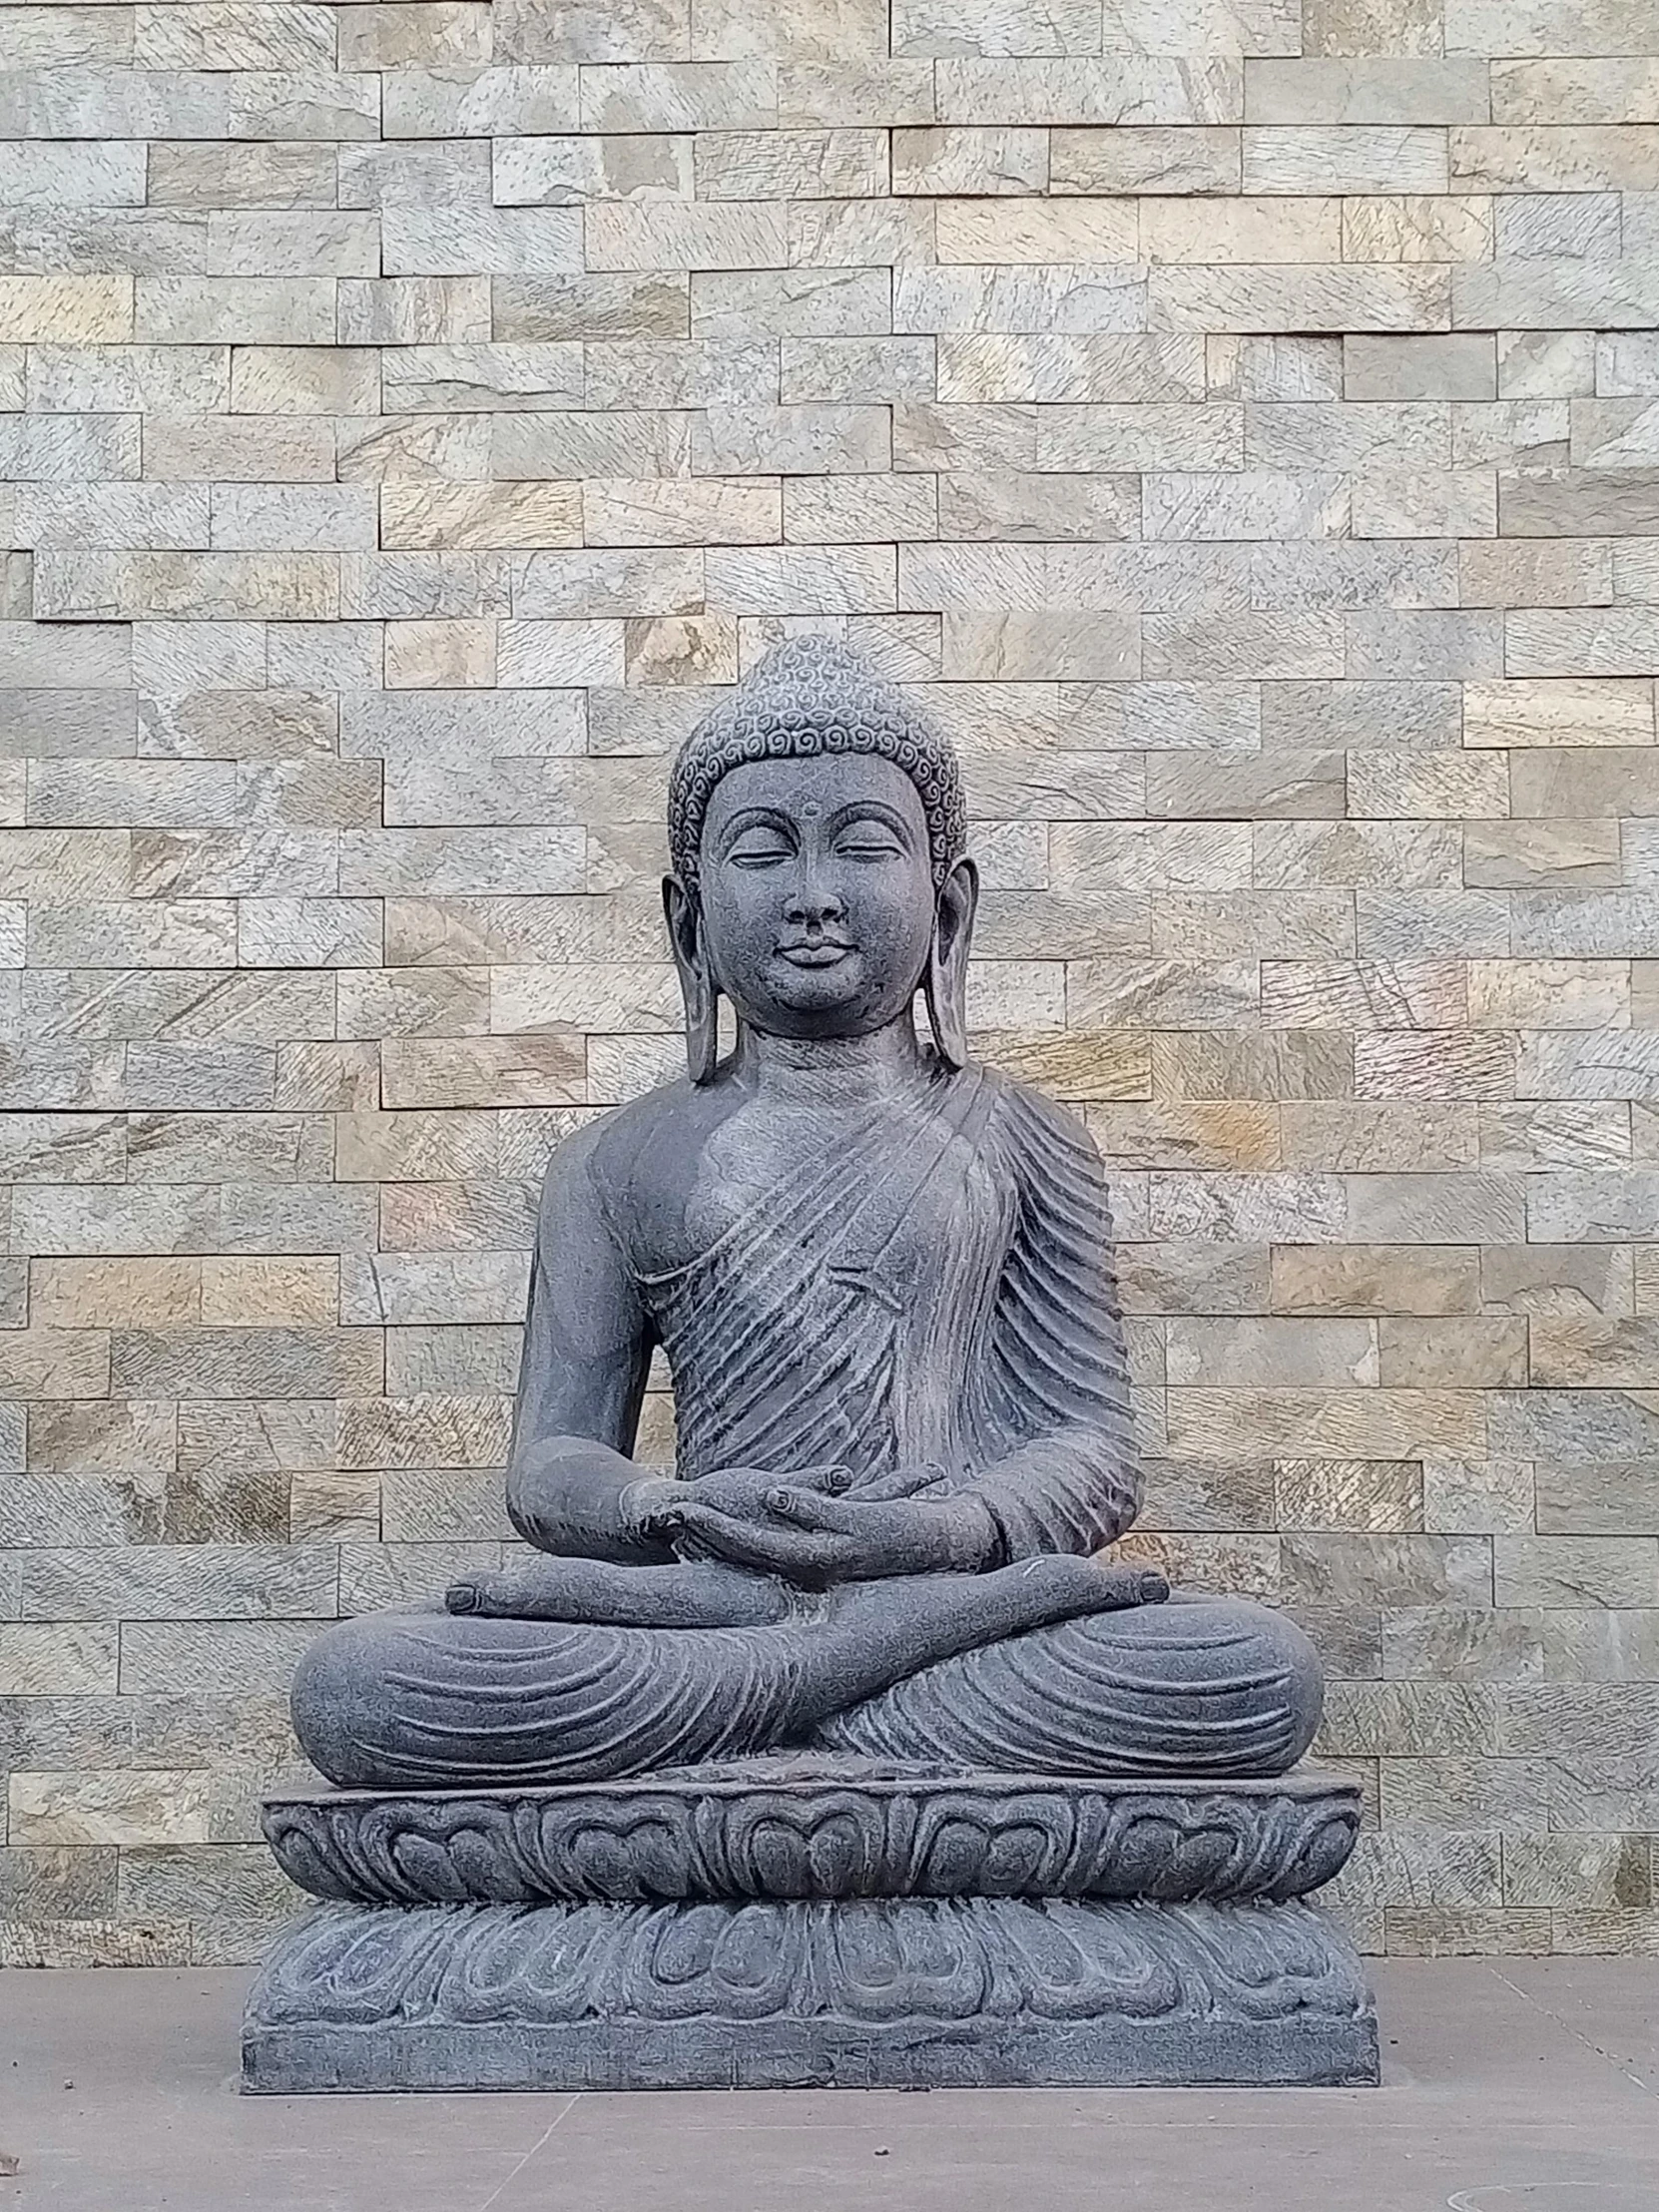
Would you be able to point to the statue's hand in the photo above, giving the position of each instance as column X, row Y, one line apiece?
column 905, row 1536
column 811, row 1538
column 739, row 1493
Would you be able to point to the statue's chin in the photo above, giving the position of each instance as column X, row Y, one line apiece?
column 835, row 989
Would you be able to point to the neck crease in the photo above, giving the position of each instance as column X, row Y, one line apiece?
column 831, row 1071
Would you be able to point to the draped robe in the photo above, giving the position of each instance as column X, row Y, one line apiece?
column 934, row 1290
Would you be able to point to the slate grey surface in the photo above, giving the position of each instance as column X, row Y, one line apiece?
column 915, row 1992
column 803, row 1828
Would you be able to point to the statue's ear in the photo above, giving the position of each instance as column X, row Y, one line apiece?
column 947, row 961
column 697, row 984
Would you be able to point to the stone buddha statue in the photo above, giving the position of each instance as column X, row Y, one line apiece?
column 881, row 1277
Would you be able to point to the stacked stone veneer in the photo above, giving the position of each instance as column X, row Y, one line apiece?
column 1247, row 422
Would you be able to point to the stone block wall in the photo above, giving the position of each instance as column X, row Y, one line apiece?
column 1243, row 419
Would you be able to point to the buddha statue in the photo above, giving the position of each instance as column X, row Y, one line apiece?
column 881, row 1277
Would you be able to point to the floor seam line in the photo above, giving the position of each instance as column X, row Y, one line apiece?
column 540, row 2143
column 1647, row 2088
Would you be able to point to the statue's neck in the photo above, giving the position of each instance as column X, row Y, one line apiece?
column 830, row 1072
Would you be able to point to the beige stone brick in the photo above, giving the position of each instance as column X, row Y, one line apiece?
column 1364, row 1137
column 119, row 1805
column 1567, row 91
column 439, row 655
column 1248, row 230
column 1122, row 88
column 949, row 161
column 1135, row 158
column 1376, row 1279
column 430, row 517
column 1554, row 158
column 1549, row 995
column 666, row 511
column 534, row 1070
column 270, row 1293
column 1522, row 853
column 58, row 1659
column 398, row 34
column 1397, row 786
column 1272, row 1352
column 1013, row 229
column 1350, row 297
column 1575, row 1571
column 223, row 34
column 1080, row 1064
column 1354, row 160
column 1373, row 1423
column 870, row 90
column 791, row 164
column 683, row 649
column 1465, row 1354
column 622, row 236
column 1373, row 1495
column 1033, row 646
column 1415, row 227
column 1396, row 89
column 850, row 33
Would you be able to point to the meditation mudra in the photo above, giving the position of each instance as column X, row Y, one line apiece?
column 881, row 1277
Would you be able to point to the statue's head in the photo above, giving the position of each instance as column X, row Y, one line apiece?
column 817, row 829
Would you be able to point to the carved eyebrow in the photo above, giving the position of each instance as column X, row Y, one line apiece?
column 871, row 810
column 756, row 818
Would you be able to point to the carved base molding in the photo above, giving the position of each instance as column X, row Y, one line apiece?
column 868, row 1992
column 799, row 1826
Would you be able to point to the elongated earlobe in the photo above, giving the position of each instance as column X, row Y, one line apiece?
column 947, row 961
column 696, row 987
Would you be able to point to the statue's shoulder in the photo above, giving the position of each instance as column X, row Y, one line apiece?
column 612, row 1146
column 640, row 1158
column 1032, row 1120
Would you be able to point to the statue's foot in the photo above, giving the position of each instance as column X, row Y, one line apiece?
column 980, row 1608
column 690, row 1595
column 877, row 1633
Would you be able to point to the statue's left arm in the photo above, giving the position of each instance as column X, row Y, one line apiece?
column 1054, row 1391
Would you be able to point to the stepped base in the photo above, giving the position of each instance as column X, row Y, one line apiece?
column 906, row 1992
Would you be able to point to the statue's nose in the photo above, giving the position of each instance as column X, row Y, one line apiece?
column 811, row 899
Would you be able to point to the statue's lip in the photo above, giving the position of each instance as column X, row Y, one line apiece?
column 824, row 953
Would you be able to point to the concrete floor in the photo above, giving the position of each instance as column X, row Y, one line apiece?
column 1512, row 2086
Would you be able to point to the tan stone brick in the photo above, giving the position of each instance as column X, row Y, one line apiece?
column 1416, row 227
column 432, row 516
column 1012, row 230
column 114, row 1294
column 1241, row 1136
column 66, row 309
column 60, row 1659
column 1347, row 1423
column 1375, row 1495
column 1248, row 230
column 1568, row 711
column 1549, row 995
column 1376, row 1279
column 119, row 1805
column 1080, row 1064
column 1485, row 1353
column 443, row 654
column 270, row 1293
